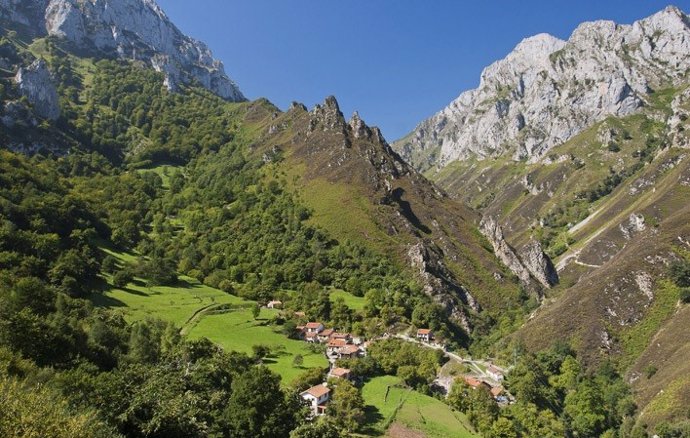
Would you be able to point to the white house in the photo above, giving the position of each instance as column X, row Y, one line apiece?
column 425, row 335
column 317, row 396
column 495, row 373
column 314, row 327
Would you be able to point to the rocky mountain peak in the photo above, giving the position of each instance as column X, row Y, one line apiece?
column 548, row 90
column 125, row 29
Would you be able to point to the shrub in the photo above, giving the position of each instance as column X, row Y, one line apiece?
column 122, row 278
column 684, row 295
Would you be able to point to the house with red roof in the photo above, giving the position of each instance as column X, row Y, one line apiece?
column 314, row 327
column 425, row 335
column 340, row 373
column 348, row 351
column 317, row 396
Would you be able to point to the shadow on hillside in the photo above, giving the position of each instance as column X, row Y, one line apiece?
column 371, row 416
column 406, row 210
column 101, row 300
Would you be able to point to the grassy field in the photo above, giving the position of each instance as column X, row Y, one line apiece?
column 176, row 304
column 235, row 330
column 164, row 171
column 351, row 301
column 238, row 331
column 388, row 403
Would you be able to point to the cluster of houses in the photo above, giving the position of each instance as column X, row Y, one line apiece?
column 338, row 345
column 496, row 389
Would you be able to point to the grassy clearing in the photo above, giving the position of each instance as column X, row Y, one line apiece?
column 176, row 304
column 433, row 417
column 387, row 402
column 235, row 330
column 353, row 302
column 164, row 171
column 239, row 331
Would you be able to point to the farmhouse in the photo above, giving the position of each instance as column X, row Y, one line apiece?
column 497, row 391
column 425, row 335
column 345, row 336
column 476, row 383
column 340, row 373
column 317, row 396
column 495, row 373
column 334, row 346
column 348, row 351
column 314, row 327
column 325, row 335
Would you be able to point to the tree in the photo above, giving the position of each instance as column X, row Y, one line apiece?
column 319, row 429
column 35, row 411
column 347, row 406
column 502, row 428
column 585, row 410
column 680, row 273
column 256, row 310
column 122, row 278
column 297, row 361
column 258, row 407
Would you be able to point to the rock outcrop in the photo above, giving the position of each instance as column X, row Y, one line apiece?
column 36, row 84
column 126, row 29
column 547, row 90
column 538, row 264
column 529, row 264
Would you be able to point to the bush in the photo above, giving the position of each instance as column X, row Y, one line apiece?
column 680, row 273
column 122, row 278
column 684, row 295
column 613, row 147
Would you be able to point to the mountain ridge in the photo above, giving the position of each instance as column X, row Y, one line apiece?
column 546, row 91
column 127, row 29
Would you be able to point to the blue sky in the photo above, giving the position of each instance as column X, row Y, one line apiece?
column 395, row 61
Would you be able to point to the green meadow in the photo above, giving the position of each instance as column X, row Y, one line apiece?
column 388, row 402
column 190, row 305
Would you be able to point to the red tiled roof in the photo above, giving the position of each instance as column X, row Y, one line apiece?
column 313, row 325
column 340, row 335
column 317, row 391
column 349, row 349
column 340, row 372
column 423, row 331
column 337, row 343
column 496, row 391
column 474, row 383
column 311, row 335
column 326, row 332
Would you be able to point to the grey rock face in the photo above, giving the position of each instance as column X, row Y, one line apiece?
column 127, row 29
column 548, row 90
column 539, row 264
column 435, row 281
column 530, row 263
column 36, row 84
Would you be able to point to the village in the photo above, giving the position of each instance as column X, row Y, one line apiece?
column 484, row 375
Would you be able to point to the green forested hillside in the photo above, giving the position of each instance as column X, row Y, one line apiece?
column 145, row 222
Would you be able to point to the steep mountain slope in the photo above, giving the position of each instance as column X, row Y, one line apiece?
column 359, row 189
column 130, row 29
column 548, row 90
column 590, row 159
